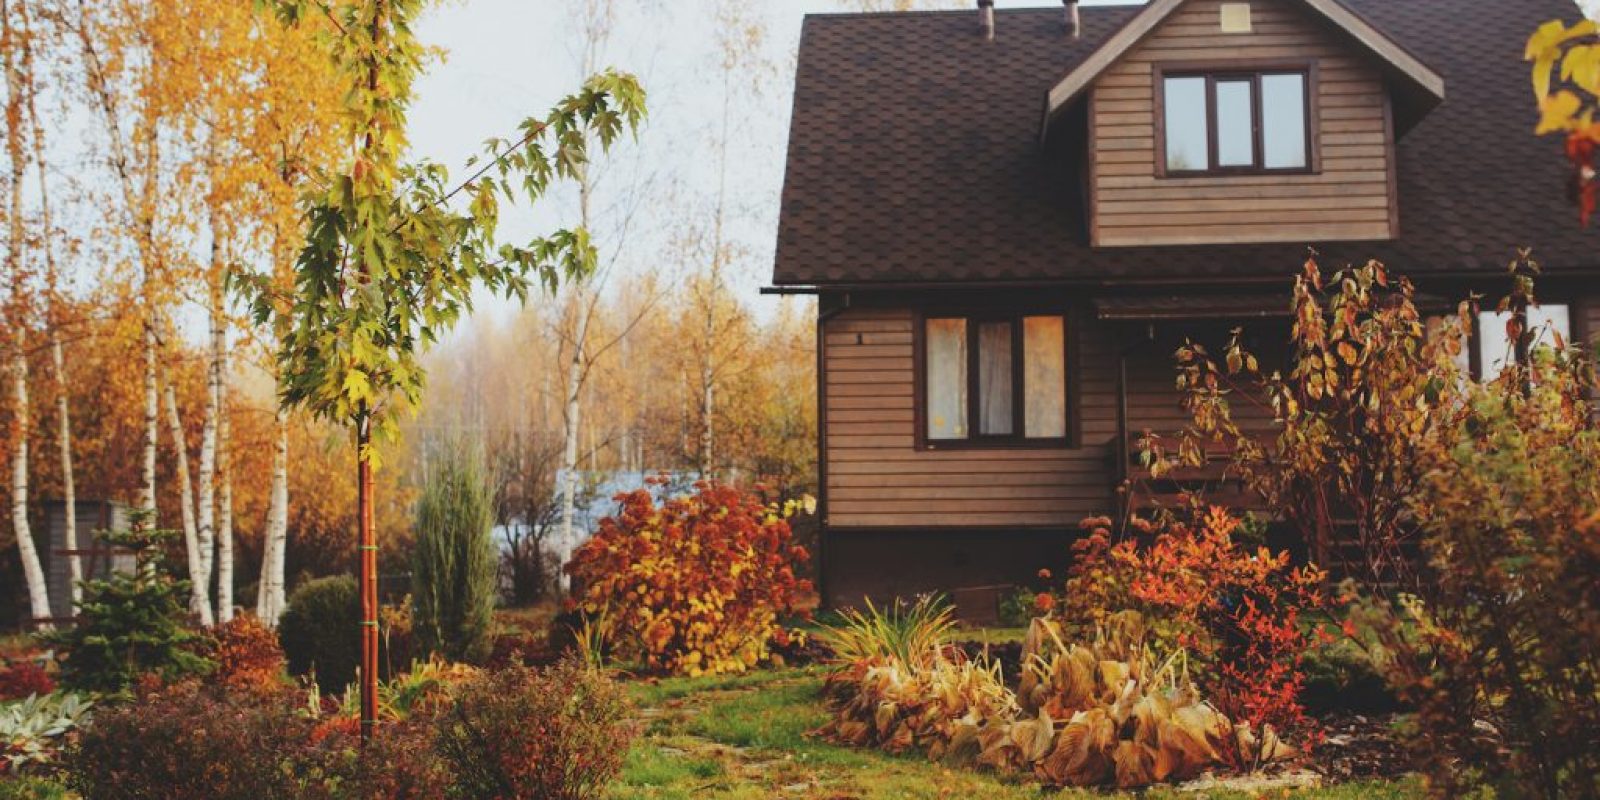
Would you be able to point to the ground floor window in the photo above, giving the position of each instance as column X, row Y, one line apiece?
column 995, row 379
column 1496, row 350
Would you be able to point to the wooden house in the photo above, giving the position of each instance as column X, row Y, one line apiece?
column 1012, row 217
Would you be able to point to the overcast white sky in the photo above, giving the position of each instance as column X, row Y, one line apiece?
column 511, row 58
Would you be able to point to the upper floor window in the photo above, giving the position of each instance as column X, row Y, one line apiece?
column 1236, row 121
column 995, row 379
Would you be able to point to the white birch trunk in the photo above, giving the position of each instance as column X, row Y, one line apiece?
column 69, row 492
column 269, row 594
column 152, row 416
column 199, row 598
column 224, row 512
column 32, row 570
column 205, row 498
column 569, row 454
column 707, row 413
column 57, row 355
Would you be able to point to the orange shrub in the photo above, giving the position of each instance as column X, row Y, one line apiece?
column 246, row 653
column 695, row 584
column 1240, row 611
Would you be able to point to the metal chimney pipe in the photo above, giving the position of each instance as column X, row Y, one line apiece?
column 986, row 18
column 1074, row 23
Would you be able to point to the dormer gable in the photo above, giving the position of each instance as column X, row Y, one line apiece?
column 1244, row 121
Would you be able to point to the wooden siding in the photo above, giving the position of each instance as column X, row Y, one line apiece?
column 877, row 478
column 1351, row 198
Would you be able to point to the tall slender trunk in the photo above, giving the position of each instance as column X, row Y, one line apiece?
column 140, row 209
column 575, row 380
column 69, row 494
column 69, row 491
column 199, row 597
column 369, row 577
column 152, row 423
column 32, row 570
column 708, row 397
column 224, row 513
column 569, row 453
column 269, row 595
column 206, row 507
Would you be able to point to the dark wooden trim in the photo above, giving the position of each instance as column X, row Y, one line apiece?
column 1474, row 348
column 1232, row 70
column 1092, row 159
column 1071, row 326
column 975, row 316
column 1184, row 282
column 1578, row 321
column 1389, row 156
column 919, row 365
column 945, row 529
column 823, row 315
column 1314, row 115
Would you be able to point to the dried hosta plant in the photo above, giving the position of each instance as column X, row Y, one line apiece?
column 1102, row 713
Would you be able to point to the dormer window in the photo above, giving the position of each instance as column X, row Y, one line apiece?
column 1234, row 121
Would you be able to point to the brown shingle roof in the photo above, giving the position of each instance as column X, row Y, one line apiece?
column 914, row 155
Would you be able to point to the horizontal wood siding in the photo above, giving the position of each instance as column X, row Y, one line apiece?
column 1352, row 197
column 877, row 478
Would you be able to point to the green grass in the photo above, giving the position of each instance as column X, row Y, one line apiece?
column 991, row 635
column 748, row 737
column 31, row 789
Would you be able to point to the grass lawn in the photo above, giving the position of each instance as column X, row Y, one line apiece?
column 747, row 737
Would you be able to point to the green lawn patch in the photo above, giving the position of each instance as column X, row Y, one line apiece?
column 747, row 737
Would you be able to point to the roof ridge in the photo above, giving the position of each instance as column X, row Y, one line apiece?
column 936, row 12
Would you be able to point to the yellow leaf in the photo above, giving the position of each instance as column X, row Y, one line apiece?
column 1557, row 112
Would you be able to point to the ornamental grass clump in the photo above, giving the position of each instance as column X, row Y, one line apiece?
column 453, row 561
column 696, row 584
column 908, row 633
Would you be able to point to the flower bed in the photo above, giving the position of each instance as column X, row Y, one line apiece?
column 1107, row 711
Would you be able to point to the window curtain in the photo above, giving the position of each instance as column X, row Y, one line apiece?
column 994, row 379
column 1044, row 356
column 947, row 378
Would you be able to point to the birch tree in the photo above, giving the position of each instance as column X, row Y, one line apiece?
column 55, row 321
column 112, row 38
column 199, row 596
column 293, row 138
column 225, row 506
column 12, row 45
column 743, row 69
column 596, row 23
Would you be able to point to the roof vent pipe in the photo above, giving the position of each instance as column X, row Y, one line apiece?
column 1074, row 24
column 986, row 18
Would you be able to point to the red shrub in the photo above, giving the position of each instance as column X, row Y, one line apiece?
column 1239, row 611
column 695, row 584
column 24, row 678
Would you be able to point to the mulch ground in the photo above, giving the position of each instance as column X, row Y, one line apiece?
column 1360, row 746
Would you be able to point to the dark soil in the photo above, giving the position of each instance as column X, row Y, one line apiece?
column 1007, row 654
column 1359, row 746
